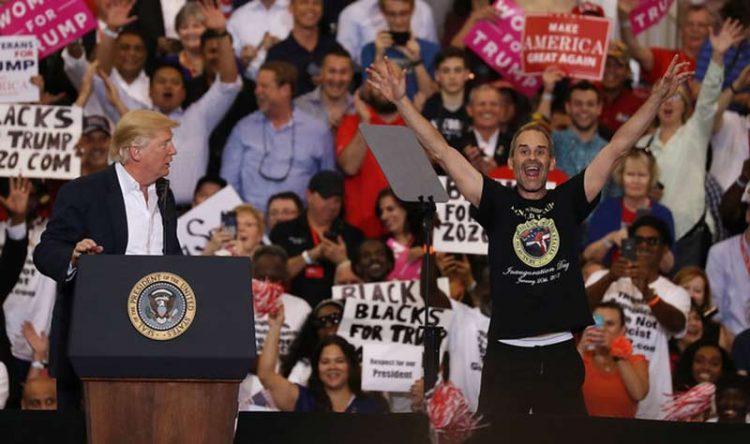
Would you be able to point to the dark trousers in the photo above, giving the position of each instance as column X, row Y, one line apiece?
column 531, row 380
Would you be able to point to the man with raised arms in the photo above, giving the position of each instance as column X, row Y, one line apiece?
column 538, row 296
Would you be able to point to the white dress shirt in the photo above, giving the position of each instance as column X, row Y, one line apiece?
column 252, row 21
column 145, row 230
column 361, row 21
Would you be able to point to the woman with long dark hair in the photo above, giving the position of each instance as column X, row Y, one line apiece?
column 335, row 381
column 703, row 361
column 402, row 222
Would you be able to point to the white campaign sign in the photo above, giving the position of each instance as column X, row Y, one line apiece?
column 194, row 227
column 38, row 141
column 393, row 292
column 390, row 367
column 369, row 321
column 458, row 231
column 18, row 63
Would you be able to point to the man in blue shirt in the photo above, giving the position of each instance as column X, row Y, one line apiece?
column 400, row 45
column 577, row 146
column 277, row 148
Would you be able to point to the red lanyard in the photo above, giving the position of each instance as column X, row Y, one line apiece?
column 315, row 237
column 745, row 256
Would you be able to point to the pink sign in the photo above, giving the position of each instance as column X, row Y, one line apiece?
column 648, row 13
column 55, row 23
column 498, row 43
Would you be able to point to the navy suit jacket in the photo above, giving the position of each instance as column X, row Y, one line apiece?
column 88, row 207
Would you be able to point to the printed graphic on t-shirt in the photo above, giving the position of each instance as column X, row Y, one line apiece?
column 536, row 242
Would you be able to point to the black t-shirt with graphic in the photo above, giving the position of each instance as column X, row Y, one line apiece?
column 453, row 125
column 535, row 277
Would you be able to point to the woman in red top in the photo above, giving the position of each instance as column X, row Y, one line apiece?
column 615, row 378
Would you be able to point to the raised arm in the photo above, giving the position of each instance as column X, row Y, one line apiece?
column 601, row 167
column 644, row 56
column 283, row 392
column 388, row 78
column 117, row 16
column 216, row 21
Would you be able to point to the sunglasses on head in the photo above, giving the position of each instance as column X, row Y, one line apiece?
column 331, row 319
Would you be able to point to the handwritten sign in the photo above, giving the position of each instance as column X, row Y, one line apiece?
column 39, row 141
column 498, row 43
column 194, row 227
column 368, row 321
column 648, row 13
column 393, row 292
column 458, row 232
column 18, row 63
column 577, row 44
column 390, row 367
column 55, row 23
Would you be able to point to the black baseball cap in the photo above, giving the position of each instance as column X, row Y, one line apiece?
column 96, row 123
column 327, row 184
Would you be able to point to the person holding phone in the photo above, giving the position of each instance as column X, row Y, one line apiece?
column 616, row 378
column 399, row 44
column 240, row 233
column 655, row 308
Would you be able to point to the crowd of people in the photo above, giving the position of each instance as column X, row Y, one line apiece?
column 266, row 96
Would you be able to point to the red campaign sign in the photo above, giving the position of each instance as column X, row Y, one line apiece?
column 576, row 44
column 55, row 23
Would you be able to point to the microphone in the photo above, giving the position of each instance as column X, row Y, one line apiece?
column 162, row 189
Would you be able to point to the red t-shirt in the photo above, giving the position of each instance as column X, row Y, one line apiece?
column 361, row 190
column 605, row 393
column 620, row 110
column 662, row 58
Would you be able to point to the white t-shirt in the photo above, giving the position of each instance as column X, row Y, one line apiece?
column 649, row 337
column 32, row 299
column 730, row 148
column 467, row 345
column 252, row 397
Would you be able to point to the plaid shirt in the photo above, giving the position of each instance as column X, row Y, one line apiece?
column 713, row 200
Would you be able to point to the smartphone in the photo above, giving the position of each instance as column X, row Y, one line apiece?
column 599, row 320
column 400, row 38
column 627, row 249
column 229, row 222
column 336, row 230
column 710, row 312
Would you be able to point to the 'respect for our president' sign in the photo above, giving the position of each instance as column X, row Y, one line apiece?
column 576, row 44
column 55, row 23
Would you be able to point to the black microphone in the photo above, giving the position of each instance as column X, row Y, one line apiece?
column 162, row 189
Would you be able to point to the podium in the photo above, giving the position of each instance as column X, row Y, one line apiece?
column 161, row 344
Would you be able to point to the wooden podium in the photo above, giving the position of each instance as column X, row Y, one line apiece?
column 161, row 344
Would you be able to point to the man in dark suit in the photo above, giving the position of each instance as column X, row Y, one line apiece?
column 124, row 209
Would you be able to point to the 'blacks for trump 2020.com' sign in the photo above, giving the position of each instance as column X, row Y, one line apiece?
column 39, row 141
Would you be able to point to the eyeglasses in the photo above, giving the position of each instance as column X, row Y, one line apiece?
column 332, row 319
column 262, row 165
column 650, row 241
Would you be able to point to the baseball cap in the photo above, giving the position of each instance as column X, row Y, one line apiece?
column 619, row 51
column 327, row 184
column 96, row 123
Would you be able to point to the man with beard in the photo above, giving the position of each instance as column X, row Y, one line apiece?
column 94, row 144
column 373, row 261
column 364, row 178
column 538, row 297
